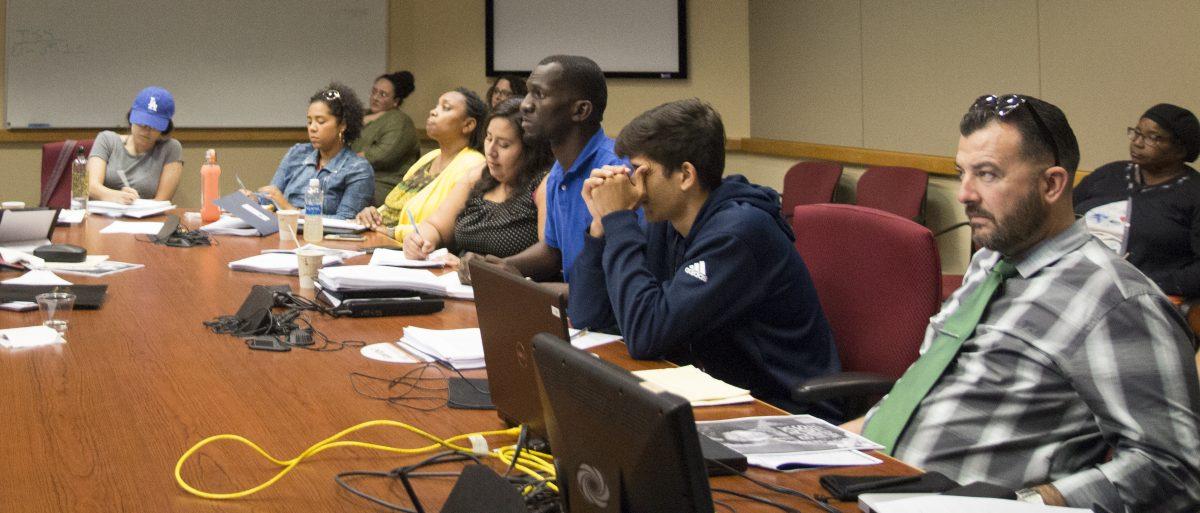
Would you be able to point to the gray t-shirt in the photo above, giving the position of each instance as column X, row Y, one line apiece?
column 143, row 171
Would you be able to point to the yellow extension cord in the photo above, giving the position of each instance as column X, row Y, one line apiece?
column 535, row 464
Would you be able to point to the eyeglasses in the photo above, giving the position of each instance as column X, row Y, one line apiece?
column 1002, row 106
column 380, row 93
column 332, row 94
column 1150, row 139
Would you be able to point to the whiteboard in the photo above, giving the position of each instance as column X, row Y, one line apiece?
column 627, row 38
column 229, row 63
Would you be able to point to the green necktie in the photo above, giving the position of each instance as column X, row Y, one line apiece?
column 897, row 408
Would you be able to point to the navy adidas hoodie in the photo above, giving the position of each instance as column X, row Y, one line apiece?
column 733, row 297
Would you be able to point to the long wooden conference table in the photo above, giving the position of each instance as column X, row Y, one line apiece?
column 98, row 423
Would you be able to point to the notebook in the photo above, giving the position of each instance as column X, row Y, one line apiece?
column 87, row 297
column 249, row 212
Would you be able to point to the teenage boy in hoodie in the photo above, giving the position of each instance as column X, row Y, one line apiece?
column 713, row 279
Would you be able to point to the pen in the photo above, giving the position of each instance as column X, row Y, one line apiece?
column 413, row 222
column 580, row 333
column 240, row 182
column 124, row 177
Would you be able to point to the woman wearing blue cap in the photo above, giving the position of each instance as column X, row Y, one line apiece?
column 144, row 164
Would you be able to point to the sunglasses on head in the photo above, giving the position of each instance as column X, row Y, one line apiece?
column 332, row 94
column 1002, row 106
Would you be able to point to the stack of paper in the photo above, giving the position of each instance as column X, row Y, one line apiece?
column 461, row 349
column 395, row 257
column 277, row 263
column 698, row 388
column 955, row 504
column 149, row 228
column 338, row 224
column 344, row 254
column 230, row 225
column 139, row 208
column 790, row 442
column 93, row 265
column 367, row 277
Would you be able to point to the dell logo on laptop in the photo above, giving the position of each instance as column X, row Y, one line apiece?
column 591, row 483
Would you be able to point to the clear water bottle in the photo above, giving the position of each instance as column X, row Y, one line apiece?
column 314, row 228
column 79, row 181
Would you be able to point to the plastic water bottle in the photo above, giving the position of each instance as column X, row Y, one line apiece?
column 210, row 190
column 79, row 181
column 314, row 228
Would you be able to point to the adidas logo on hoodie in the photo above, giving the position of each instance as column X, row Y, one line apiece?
column 696, row 270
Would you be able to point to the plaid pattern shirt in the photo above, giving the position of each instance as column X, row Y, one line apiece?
column 1077, row 355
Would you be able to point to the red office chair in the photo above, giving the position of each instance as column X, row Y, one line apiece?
column 878, row 278
column 899, row 190
column 809, row 182
column 56, row 171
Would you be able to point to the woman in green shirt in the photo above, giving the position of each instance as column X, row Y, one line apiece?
column 389, row 139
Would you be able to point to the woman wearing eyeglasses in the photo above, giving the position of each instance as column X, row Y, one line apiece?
column 505, row 87
column 389, row 139
column 1148, row 207
column 456, row 123
column 334, row 121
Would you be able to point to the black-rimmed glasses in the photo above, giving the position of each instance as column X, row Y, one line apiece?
column 1150, row 139
column 1005, row 105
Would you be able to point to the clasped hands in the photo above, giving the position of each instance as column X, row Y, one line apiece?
column 611, row 189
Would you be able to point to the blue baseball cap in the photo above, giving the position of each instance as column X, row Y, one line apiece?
column 153, row 107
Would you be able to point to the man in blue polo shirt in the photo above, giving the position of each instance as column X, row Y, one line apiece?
column 565, row 104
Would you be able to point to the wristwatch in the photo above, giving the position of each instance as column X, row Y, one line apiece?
column 1031, row 496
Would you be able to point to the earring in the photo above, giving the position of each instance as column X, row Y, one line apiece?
column 342, row 135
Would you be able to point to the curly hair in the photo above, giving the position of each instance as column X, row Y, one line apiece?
column 345, row 106
column 536, row 157
column 517, row 84
column 478, row 111
column 402, row 83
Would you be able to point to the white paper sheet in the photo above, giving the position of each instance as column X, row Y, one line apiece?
column 67, row 216
column 37, row 277
column 150, row 228
column 395, row 257
column 590, row 339
column 31, row 336
column 18, row 306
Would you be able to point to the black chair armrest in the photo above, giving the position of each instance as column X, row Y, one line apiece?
column 836, row 386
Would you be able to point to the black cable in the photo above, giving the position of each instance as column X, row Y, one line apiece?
column 725, row 505
column 411, row 384
column 754, row 498
column 522, row 439
column 404, row 474
column 776, row 488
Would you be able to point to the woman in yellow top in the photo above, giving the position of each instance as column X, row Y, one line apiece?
column 456, row 123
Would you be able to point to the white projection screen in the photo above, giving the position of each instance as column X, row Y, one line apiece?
column 627, row 38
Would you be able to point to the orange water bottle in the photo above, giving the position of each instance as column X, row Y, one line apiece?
column 210, row 190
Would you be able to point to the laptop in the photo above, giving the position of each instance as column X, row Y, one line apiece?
column 25, row 229
column 511, row 310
